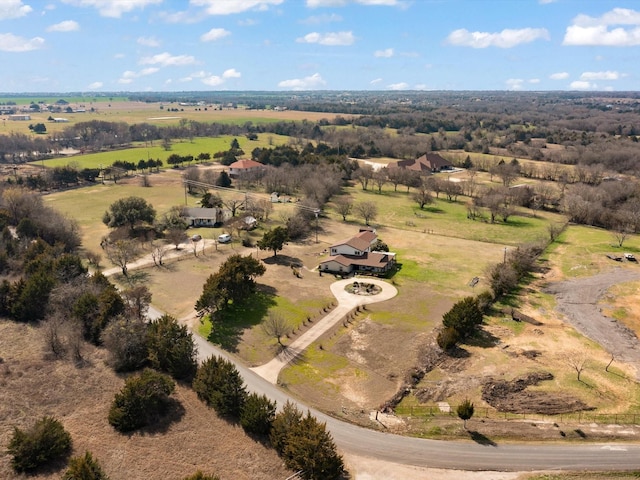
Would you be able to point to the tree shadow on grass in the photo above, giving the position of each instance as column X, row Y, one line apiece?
column 481, row 439
column 173, row 413
column 284, row 260
column 482, row 339
column 231, row 323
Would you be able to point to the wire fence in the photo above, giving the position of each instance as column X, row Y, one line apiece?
column 492, row 414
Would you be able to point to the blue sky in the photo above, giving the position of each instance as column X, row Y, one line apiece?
column 173, row 45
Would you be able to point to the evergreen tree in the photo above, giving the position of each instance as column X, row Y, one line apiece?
column 465, row 411
column 172, row 348
column 257, row 414
column 464, row 316
column 46, row 441
column 84, row 468
column 219, row 384
column 143, row 398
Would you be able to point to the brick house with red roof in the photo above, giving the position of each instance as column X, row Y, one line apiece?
column 426, row 164
column 239, row 167
column 354, row 255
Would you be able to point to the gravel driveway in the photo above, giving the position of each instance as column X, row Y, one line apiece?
column 578, row 301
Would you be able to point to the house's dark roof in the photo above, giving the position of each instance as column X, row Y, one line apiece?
column 362, row 241
column 369, row 259
column 428, row 162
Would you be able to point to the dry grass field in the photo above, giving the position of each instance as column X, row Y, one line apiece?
column 141, row 112
column 192, row 438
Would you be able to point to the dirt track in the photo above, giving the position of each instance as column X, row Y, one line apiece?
column 578, row 301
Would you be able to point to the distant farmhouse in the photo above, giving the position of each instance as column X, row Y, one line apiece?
column 20, row 117
column 426, row 164
column 242, row 166
column 354, row 255
column 206, row 217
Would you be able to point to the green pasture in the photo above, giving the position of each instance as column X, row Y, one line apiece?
column 87, row 205
column 156, row 151
column 581, row 250
column 398, row 210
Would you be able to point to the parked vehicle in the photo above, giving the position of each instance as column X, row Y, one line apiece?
column 224, row 238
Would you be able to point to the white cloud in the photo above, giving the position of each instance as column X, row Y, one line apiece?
column 214, row 34
column 148, row 41
column 129, row 76
column 386, row 53
column 330, row 39
column 95, row 85
column 342, row 3
column 507, row 38
column 582, row 85
column 66, row 26
column 12, row 43
column 398, row 86
column 534, row 81
column 13, row 9
column 421, row 86
column 325, row 18
column 213, row 80
column 113, row 8
column 608, row 75
column 308, row 83
column 375, row 81
column 165, row 59
column 514, row 83
column 559, row 76
column 592, row 31
column 231, row 73
column 545, row 2
column 227, row 7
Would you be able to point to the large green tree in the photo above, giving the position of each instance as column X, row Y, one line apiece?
column 233, row 282
column 143, row 398
column 465, row 316
column 171, row 348
column 274, row 240
column 219, row 384
column 129, row 212
column 45, row 442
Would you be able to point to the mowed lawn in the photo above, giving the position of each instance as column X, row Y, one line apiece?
column 198, row 145
column 87, row 205
column 442, row 217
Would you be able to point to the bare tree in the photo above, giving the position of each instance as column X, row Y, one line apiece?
column 158, row 252
column 276, row 326
column 364, row 174
column 175, row 236
column 121, row 253
column 367, row 210
column 380, row 178
column 423, row 194
column 233, row 204
column 344, row 205
column 137, row 300
column 577, row 361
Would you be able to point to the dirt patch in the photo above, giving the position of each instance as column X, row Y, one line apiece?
column 513, row 396
column 578, row 301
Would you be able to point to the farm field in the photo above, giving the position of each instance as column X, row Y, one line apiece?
column 120, row 110
column 359, row 365
column 156, row 151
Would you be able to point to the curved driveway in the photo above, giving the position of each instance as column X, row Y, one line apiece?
column 470, row 456
column 346, row 302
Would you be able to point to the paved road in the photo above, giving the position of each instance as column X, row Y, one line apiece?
column 448, row 455
column 443, row 454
